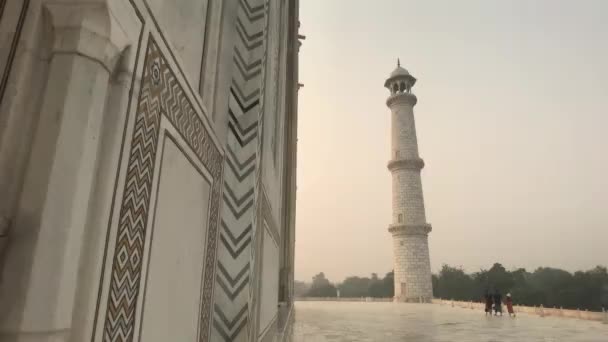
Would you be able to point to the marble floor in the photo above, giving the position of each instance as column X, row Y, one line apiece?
column 353, row 321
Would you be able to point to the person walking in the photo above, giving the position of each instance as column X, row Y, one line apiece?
column 509, row 303
column 488, row 299
column 497, row 303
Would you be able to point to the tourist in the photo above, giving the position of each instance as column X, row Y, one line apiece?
column 509, row 302
column 497, row 303
column 488, row 299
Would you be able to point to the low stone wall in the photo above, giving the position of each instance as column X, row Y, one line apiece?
column 342, row 299
column 540, row 311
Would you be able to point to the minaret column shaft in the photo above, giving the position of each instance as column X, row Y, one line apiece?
column 412, row 270
column 408, row 201
column 403, row 132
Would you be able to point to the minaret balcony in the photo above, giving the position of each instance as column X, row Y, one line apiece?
column 408, row 164
column 410, row 229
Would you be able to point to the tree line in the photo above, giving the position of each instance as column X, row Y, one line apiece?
column 351, row 287
column 550, row 287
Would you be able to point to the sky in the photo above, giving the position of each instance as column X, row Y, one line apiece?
column 512, row 120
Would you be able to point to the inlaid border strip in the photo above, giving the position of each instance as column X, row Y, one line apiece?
column 160, row 94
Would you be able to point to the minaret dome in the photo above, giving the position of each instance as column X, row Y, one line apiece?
column 400, row 80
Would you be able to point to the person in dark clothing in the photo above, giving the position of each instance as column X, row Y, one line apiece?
column 488, row 299
column 497, row 303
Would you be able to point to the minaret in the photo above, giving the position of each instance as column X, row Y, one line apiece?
column 412, row 264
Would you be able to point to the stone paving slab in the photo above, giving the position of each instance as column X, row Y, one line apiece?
column 356, row 321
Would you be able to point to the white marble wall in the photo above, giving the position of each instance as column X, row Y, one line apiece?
column 174, row 275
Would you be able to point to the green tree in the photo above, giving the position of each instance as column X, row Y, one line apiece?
column 388, row 285
column 368, row 287
column 497, row 278
column 354, row 287
column 500, row 279
column 552, row 287
column 591, row 288
column 300, row 288
column 375, row 287
column 454, row 283
column 382, row 288
column 321, row 287
column 523, row 291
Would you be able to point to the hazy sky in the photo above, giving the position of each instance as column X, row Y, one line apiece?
column 512, row 122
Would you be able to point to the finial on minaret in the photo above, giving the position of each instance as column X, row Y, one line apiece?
column 398, row 62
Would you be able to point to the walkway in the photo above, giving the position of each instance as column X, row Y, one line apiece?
column 385, row 322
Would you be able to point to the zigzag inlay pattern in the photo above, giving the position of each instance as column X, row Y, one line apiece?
column 241, row 98
column 161, row 94
column 238, row 201
column 237, row 213
column 247, row 71
column 233, row 285
column 250, row 40
column 233, row 279
column 253, row 13
column 243, row 135
column 232, row 243
column 243, row 132
column 244, row 109
column 240, row 170
column 230, row 329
